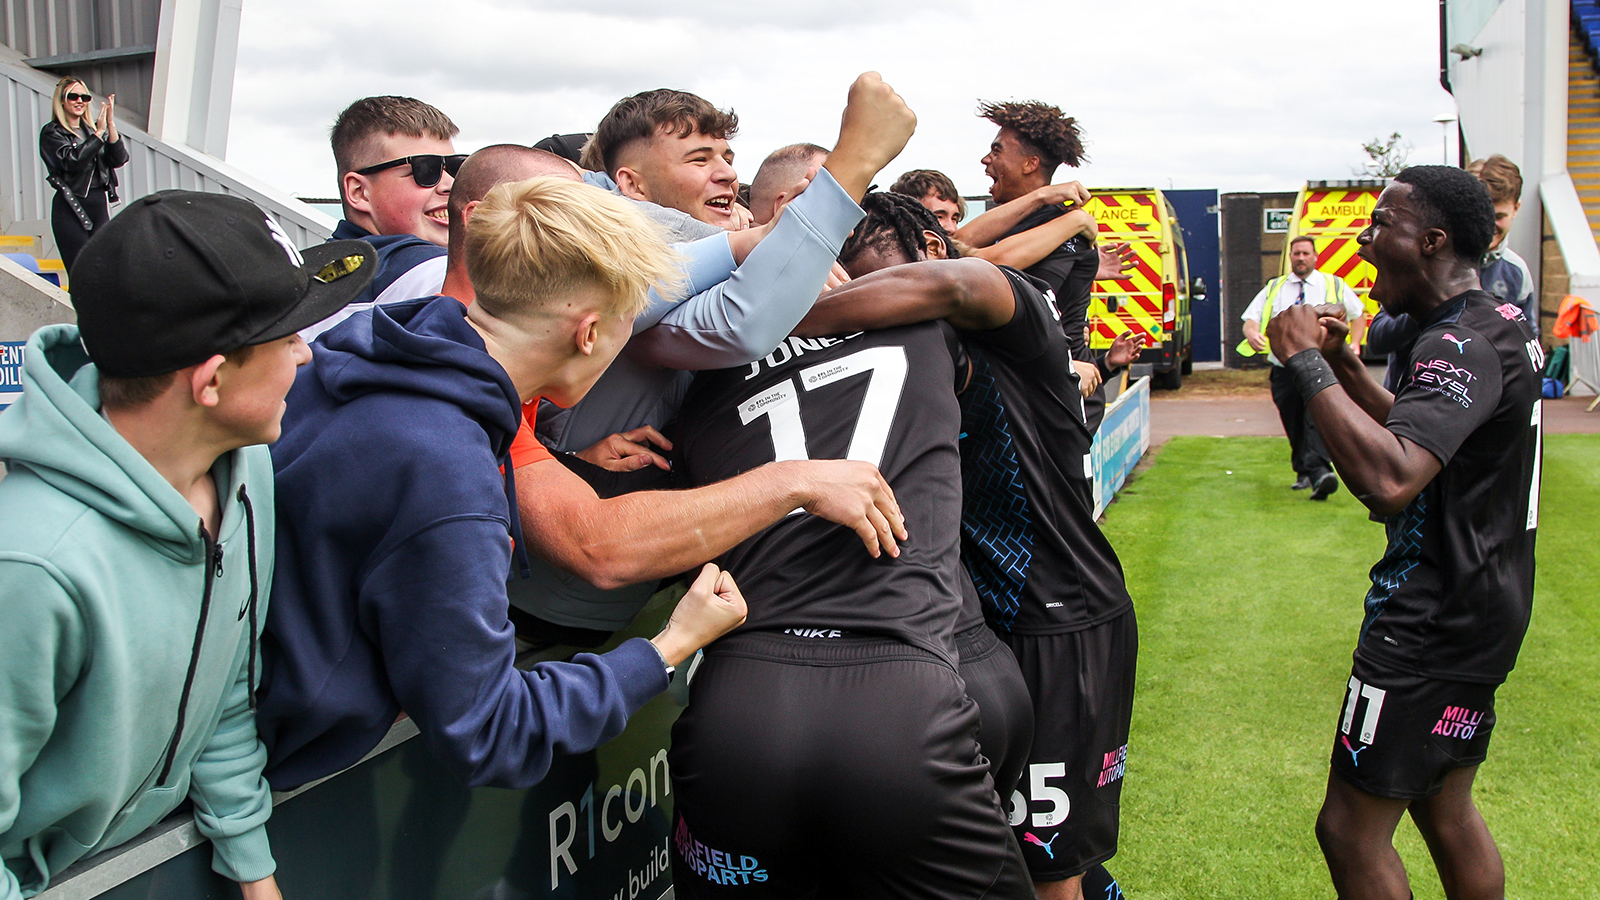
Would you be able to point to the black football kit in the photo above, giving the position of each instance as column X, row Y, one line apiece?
column 1050, row 583
column 829, row 748
column 1452, row 595
column 1068, row 273
column 1005, row 707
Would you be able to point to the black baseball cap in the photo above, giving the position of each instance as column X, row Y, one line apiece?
column 567, row 146
column 179, row 277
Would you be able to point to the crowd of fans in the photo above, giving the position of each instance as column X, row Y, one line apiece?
column 539, row 390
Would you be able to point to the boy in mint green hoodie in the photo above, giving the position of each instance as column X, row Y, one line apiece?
column 136, row 543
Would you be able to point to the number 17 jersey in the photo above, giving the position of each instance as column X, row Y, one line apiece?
column 885, row 397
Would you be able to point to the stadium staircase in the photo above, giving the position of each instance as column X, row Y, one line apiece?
column 155, row 165
column 1583, row 107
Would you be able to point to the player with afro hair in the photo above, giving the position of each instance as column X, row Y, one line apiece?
column 1044, row 131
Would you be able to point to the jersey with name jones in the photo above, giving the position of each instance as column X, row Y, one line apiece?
column 886, row 397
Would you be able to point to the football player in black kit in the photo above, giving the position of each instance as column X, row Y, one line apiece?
column 1451, row 460
column 1050, row 583
column 829, row 748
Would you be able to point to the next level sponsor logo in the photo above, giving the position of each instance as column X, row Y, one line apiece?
column 1458, row 722
column 1441, row 377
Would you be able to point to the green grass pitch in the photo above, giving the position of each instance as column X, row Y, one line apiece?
column 1249, row 599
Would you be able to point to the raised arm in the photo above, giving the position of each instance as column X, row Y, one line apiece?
column 747, row 315
column 756, row 308
column 62, row 157
column 1023, row 250
column 970, row 293
column 989, row 226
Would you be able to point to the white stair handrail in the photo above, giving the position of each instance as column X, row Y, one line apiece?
column 154, row 165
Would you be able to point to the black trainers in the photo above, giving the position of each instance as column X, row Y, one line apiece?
column 1301, row 484
column 1325, row 485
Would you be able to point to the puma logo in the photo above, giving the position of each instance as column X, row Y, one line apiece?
column 1461, row 343
column 1354, row 751
column 1032, row 839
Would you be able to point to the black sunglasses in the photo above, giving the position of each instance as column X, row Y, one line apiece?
column 76, row 96
column 426, row 168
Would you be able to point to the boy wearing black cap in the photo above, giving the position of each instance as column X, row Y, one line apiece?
column 134, row 588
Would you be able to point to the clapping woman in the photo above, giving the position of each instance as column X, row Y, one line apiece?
column 82, row 155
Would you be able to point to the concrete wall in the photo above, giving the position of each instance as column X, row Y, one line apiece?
column 28, row 302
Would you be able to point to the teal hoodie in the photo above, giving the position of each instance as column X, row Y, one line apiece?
column 127, row 637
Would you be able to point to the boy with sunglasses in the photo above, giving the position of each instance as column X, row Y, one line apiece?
column 396, row 165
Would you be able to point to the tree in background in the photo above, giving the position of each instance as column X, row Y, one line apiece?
column 1388, row 156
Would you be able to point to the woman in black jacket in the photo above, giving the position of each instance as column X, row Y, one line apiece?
column 82, row 158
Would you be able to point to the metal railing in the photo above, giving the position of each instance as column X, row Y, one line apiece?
column 154, row 165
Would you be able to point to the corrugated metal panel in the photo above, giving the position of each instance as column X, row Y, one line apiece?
column 153, row 165
column 58, row 27
column 46, row 29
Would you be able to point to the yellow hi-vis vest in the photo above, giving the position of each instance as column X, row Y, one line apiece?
column 1337, row 291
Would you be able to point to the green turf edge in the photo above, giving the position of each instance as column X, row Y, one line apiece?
column 1249, row 598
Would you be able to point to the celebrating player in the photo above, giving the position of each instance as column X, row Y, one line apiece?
column 1050, row 582
column 1452, row 460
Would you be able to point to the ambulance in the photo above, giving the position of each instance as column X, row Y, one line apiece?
column 1332, row 213
column 1154, row 297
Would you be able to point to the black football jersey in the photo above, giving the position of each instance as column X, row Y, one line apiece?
column 1452, row 595
column 1068, row 273
column 1039, row 561
column 885, row 397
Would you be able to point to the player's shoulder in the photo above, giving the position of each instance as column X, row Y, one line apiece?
column 1498, row 321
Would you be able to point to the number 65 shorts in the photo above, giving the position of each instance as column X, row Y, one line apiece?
column 1068, row 804
column 834, row 767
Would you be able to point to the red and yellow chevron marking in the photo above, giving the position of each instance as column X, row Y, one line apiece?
column 1126, row 212
column 1131, row 216
column 1333, row 218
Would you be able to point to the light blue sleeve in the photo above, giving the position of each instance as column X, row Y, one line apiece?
column 755, row 309
column 42, row 649
column 232, row 801
column 707, row 263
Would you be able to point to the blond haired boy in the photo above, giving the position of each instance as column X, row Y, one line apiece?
column 398, row 512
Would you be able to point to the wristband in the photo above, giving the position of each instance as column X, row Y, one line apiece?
column 1311, row 372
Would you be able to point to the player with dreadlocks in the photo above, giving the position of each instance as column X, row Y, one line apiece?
column 830, row 747
column 1049, row 583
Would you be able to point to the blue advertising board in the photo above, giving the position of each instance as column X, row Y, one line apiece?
column 1120, row 443
column 10, row 372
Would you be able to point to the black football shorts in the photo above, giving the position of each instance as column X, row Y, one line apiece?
column 834, row 767
column 1399, row 734
column 1005, row 711
column 1067, row 806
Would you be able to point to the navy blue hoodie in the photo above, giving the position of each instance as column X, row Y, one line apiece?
column 397, row 255
column 394, row 543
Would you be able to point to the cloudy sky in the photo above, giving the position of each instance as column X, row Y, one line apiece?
column 1243, row 95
